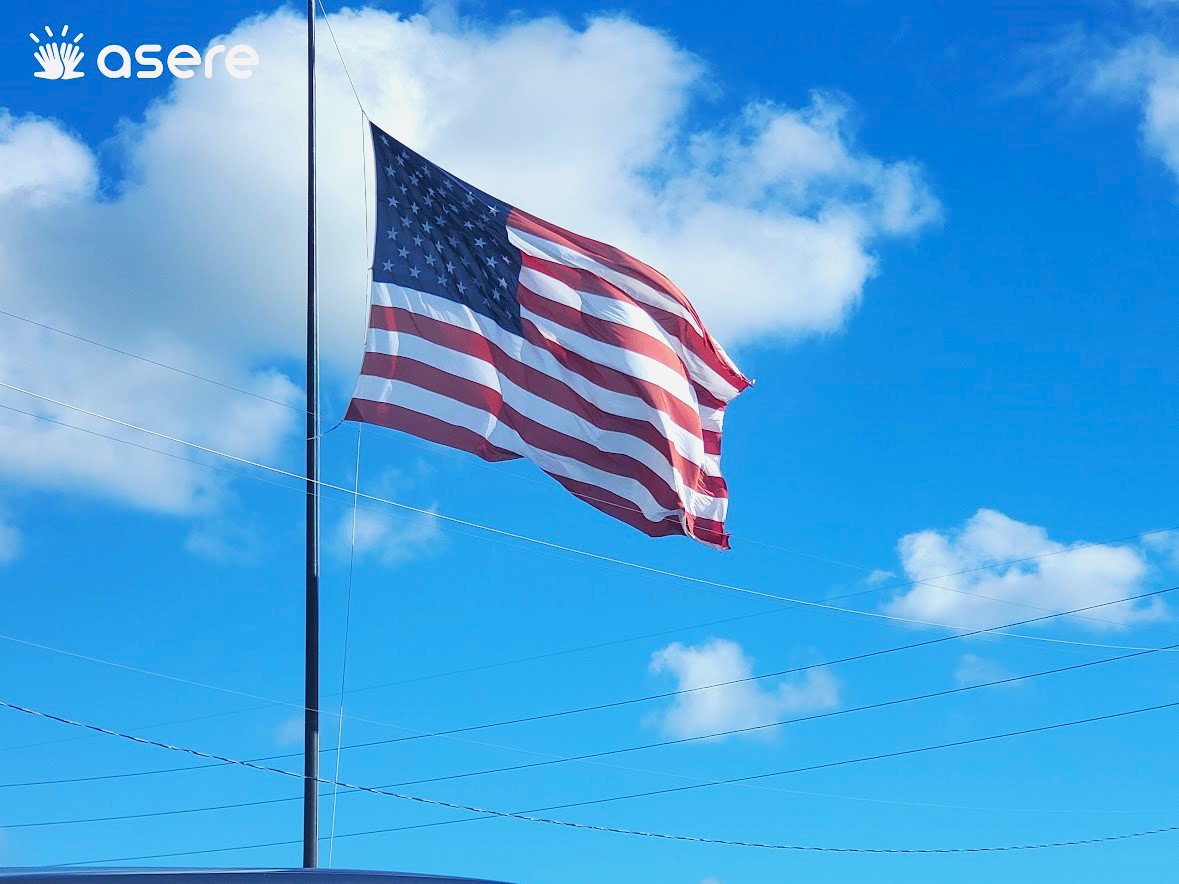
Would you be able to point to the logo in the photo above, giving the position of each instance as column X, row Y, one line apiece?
column 59, row 61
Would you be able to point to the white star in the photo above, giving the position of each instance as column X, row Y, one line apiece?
column 403, row 252
column 388, row 265
column 414, row 272
column 462, row 288
column 427, row 227
column 414, row 208
column 490, row 259
column 405, row 221
column 449, row 267
column 503, row 282
column 480, row 243
column 392, row 233
column 384, row 141
column 430, row 259
column 494, row 210
column 392, row 201
column 417, row 240
column 388, row 170
column 468, row 225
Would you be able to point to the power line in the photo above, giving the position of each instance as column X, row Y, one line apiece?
column 781, row 672
column 527, row 816
column 455, row 731
column 596, row 557
column 113, row 349
column 596, row 755
column 761, row 543
column 835, row 713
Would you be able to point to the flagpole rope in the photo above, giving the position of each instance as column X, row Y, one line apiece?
column 347, row 634
column 529, row 816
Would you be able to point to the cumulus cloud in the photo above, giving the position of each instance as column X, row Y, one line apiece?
column 733, row 706
column 981, row 587
column 1146, row 72
column 11, row 540
column 387, row 537
column 195, row 255
column 1165, row 545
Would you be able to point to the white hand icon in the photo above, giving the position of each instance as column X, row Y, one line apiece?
column 49, row 57
column 59, row 61
column 70, row 56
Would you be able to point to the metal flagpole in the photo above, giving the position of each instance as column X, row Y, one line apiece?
column 311, row 658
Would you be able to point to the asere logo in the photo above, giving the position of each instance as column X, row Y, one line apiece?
column 59, row 61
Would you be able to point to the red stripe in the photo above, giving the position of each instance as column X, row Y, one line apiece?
column 612, row 257
column 425, row 426
column 383, row 365
column 614, row 334
column 474, row 344
column 706, row 530
column 533, row 433
column 676, row 326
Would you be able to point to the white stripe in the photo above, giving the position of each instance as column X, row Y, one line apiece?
column 541, row 410
column 539, row 247
column 631, row 316
column 628, row 362
column 444, row 310
column 500, row 435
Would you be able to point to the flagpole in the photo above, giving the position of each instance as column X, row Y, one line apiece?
column 311, row 656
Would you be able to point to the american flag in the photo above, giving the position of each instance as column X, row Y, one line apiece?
column 506, row 336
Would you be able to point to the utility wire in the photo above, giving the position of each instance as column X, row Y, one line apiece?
column 591, row 757
column 827, row 560
column 527, row 816
column 596, row 557
column 613, row 704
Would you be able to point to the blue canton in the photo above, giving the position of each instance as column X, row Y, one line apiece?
column 437, row 234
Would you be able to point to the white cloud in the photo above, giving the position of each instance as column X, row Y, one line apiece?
column 389, row 538
column 41, row 164
column 196, row 257
column 11, row 540
column 1087, row 575
column 734, row 706
column 1146, row 72
column 973, row 669
column 1164, row 544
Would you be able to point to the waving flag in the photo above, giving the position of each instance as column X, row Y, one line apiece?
column 500, row 334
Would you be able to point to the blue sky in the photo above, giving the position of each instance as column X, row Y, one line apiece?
column 963, row 347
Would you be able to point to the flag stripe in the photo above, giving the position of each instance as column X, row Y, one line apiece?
column 607, row 321
column 610, row 452
column 477, row 417
column 451, row 374
column 681, row 337
column 604, row 255
column 477, row 359
column 425, row 426
column 443, row 321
